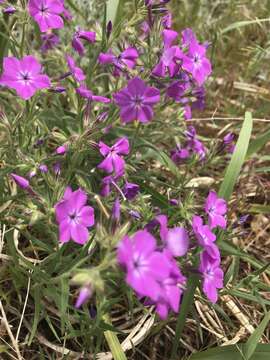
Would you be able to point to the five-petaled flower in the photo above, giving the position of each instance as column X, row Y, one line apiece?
column 47, row 13
column 136, row 101
column 145, row 266
column 24, row 76
column 114, row 161
column 216, row 209
column 74, row 216
column 212, row 276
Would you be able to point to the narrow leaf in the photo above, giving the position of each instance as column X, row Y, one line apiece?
column 254, row 338
column 258, row 143
column 237, row 159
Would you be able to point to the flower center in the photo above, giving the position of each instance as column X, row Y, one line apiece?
column 138, row 100
column 25, row 77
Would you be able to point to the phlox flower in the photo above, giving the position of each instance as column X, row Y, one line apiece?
column 47, row 13
column 171, row 289
column 20, row 181
column 126, row 59
column 194, row 144
column 179, row 155
column 175, row 239
column 49, row 41
column 216, row 209
column 145, row 267
column 168, row 61
column 76, row 72
column 24, row 76
column 196, row 62
column 74, row 216
column 136, row 101
column 205, row 237
column 84, row 295
column 114, row 161
column 131, row 190
column 77, row 44
column 88, row 94
column 212, row 276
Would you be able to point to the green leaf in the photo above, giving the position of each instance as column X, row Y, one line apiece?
column 255, row 337
column 232, row 352
column 237, row 159
column 259, row 209
column 239, row 24
column 192, row 284
column 113, row 342
column 258, row 143
column 114, row 8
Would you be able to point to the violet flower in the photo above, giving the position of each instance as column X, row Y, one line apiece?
column 205, row 237
column 168, row 61
column 49, row 41
column 114, row 161
column 131, row 190
column 127, row 59
column 88, row 94
column 76, row 72
column 77, row 44
column 84, row 295
column 74, row 217
column 136, row 101
column 176, row 239
column 212, row 276
column 171, row 289
column 20, row 181
column 196, row 62
column 216, row 209
column 47, row 13
column 24, row 76
column 145, row 266
column 9, row 10
column 178, row 155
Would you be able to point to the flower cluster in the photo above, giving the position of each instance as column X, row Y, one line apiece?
column 152, row 271
column 134, row 87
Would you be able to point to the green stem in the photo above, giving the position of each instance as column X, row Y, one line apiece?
column 192, row 284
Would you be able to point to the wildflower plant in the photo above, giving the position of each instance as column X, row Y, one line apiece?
column 96, row 160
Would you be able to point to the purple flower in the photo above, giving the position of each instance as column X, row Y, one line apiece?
column 43, row 168
column 49, row 41
column 47, row 13
column 228, row 139
column 168, row 60
column 194, row 144
column 88, row 94
column 113, row 161
column 212, row 276
column 89, row 36
column 9, row 10
column 216, row 209
column 61, row 150
column 76, row 72
column 166, row 20
column 176, row 90
column 84, row 295
column 171, row 289
column 136, row 101
column 145, row 266
column 20, row 181
column 131, row 190
column 74, row 217
column 196, row 62
column 57, row 168
column 127, row 59
column 179, row 154
column 188, row 37
column 176, row 239
column 116, row 210
column 205, row 237
column 24, row 76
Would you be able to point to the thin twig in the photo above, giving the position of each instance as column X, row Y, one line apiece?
column 14, row 342
column 24, row 307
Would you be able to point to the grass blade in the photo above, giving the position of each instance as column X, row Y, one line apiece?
column 258, row 143
column 237, row 159
column 192, row 284
column 254, row 338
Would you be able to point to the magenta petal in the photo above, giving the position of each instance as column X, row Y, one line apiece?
column 78, row 199
column 87, row 216
column 64, row 231
column 79, row 233
column 107, row 164
column 122, row 146
column 177, row 241
column 144, row 242
column 144, row 285
column 160, row 265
